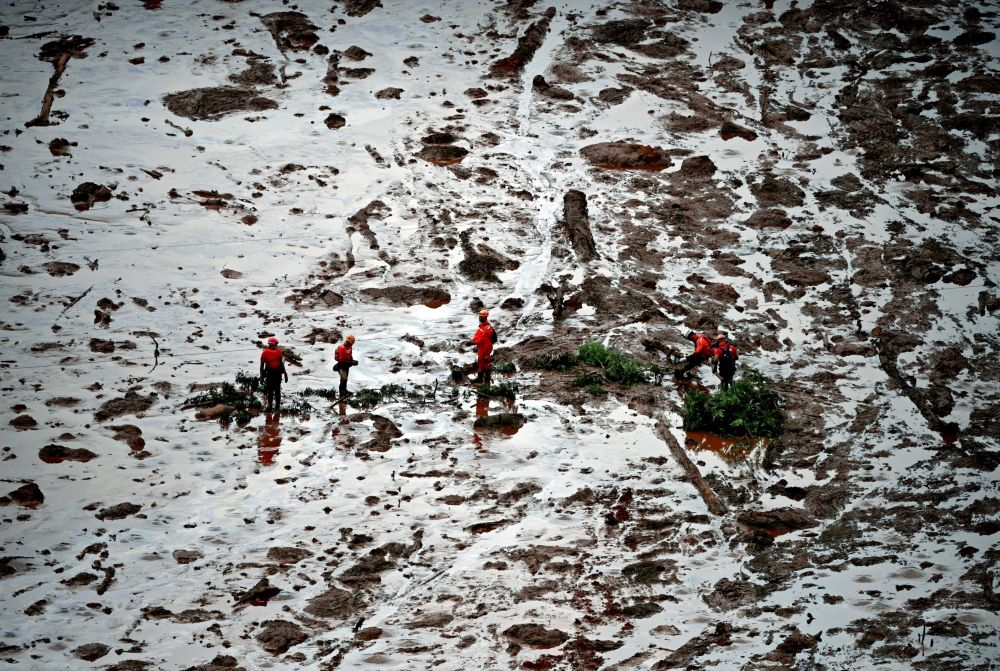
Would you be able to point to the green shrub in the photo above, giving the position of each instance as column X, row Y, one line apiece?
column 506, row 390
column 331, row 394
column 747, row 408
column 505, row 366
column 617, row 366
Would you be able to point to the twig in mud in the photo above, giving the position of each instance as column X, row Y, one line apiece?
column 74, row 301
column 187, row 131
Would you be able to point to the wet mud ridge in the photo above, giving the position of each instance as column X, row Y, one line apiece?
column 818, row 180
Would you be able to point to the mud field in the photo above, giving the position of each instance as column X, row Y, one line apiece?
column 182, row 180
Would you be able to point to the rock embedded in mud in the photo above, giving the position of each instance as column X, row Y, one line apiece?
column 29, row 496
column 23, row 422
column 261, row 592
column 442, row 154
column 91, row 651
column 360, row 7
column 729, row 594
column 626, row 156
column 549, row 91
column 624, row 32
column 60, row 147
column 288, row 555
column 130, row 404
column 536, row 635
column 186, row 556
column 430, row 621
column 277, row 636
column 60, row 268
column 505, row 420
column 335, row 603
column 213, row 103
column 389, row 93
column 407, row 296
column 777, row 520
column 768, row 218
column 773, row 191
column 118, row 512
column 369, row 634
column 697, row 167
column 219, row 663
column 53, row 454
column 334, row 121
column 729, row 130
column 85, row 195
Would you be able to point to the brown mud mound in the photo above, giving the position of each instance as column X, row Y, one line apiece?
column 626, row 156
column 54, row 454
column 288, row 555
column 625, row 32
column 549, row 91
column 131, row 404
column 292, row 31
column 536, row 635
column 768, row 218
column 507, row 421
column 213, row 103
column 334, row 121
column 118, row 512
column 335, row 603
column 777, row 521
column 360, row 7
column 407, row 296
column 88, row 194
column 442, row 154
column 773, row 191
column 277, row 636
column 29, row 496
column 482, row 262
column 91, row 651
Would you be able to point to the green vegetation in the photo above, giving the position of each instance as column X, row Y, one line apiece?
column 747, row 408
column 245, row 395
column 616, row 366
column 506, row 390
column 505, row 366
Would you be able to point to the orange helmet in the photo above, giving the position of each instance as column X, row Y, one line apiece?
column 484, row 313
column 350, row 339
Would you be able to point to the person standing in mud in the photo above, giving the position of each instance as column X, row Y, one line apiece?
column 702, row 353
column 484, row 340
column 345, row 359
column 725, row 360
column 272, row 369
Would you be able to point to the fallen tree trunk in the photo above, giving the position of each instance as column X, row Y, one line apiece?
column 577, row 224
column 715, row 505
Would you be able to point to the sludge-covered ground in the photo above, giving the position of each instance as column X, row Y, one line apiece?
column 183, row 180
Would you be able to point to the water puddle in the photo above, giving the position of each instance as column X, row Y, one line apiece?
column 729, row 449
column 269, row 439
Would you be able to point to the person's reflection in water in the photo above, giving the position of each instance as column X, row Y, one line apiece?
column 269, row 439
column 482, row 407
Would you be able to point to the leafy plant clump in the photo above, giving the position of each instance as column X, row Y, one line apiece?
column 505, row 366
column 506, row 390
column 747, row 408
column 616, row 366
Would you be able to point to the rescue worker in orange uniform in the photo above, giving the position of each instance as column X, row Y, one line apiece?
column 702, row 353
column 725, row 359
column 345, row 359
column 484, row 339
column 272, row 369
